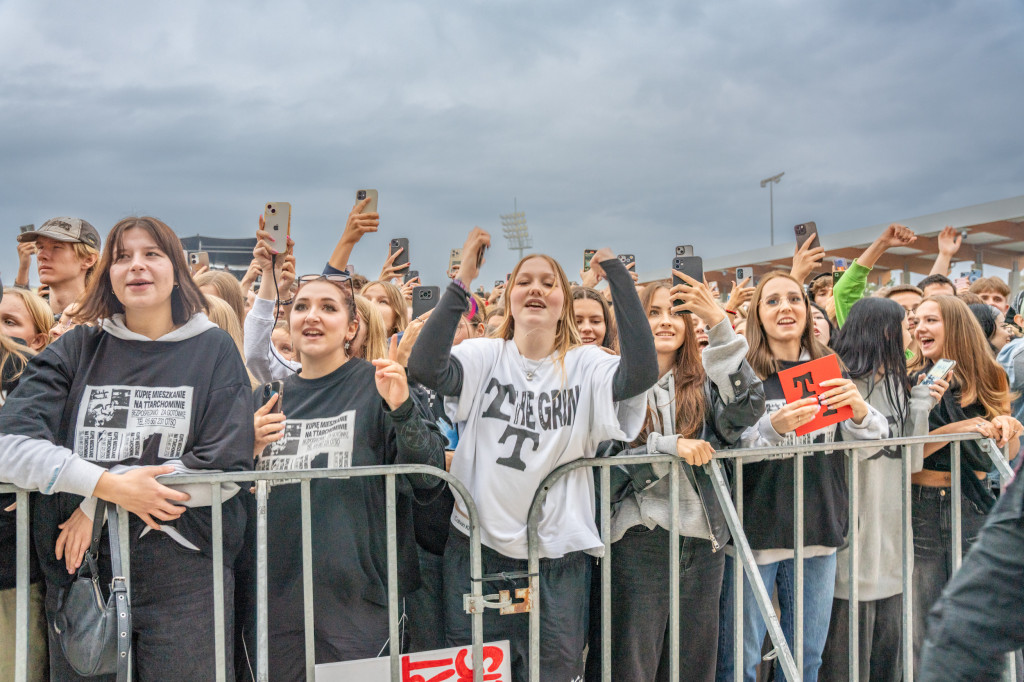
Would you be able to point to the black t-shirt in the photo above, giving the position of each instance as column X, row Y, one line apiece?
column 972, row 457
column 433, row 519
column 340, row 421
column 116, row 401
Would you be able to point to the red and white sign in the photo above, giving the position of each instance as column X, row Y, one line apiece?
column 804, row 381
column 444, row 665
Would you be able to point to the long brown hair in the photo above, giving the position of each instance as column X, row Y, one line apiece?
column 687, row 375
column 760, row 355
column 395, row 301
column 611, row 337
column 99, row 301
column 567, row 335
column 979, row 376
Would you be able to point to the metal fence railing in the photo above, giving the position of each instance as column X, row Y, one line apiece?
column 789, row 659
column 476, row 602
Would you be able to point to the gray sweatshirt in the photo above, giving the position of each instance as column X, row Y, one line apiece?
column 880, row 507
column 650, row 507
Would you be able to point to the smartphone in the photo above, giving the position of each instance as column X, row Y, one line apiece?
column 693, row 266
column 837, row 275
column 588, row 254
column 938, row 371
column 744, row 272
column 277, row 220
column 627, row 259
column 198, row 259
column 839, row 264
column 403, row 258
column 269, row 390
column 424, row 299
column 372, row 193
column 411, row 274
column 684, row 250
column 499, row 283
column 972, row 276
column 805, row 231
column 454, row 261
column 27, row 228
column 480, row 257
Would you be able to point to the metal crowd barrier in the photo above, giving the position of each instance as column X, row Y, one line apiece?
column 261, row 479
column 790, row 660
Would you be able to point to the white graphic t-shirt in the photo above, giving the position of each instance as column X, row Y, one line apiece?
column 515, row 430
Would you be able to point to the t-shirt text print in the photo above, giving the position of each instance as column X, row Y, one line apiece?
column 327, row 441
column 117, row 423
column 527, row 414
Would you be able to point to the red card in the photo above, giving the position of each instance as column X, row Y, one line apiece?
column 803, row 381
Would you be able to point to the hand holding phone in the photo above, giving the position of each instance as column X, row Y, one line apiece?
column 400, row 246
column 371, row 194
column 198, row 260
column 424, row 299
column 691, row 266
column 277, row 220
column 807, row 232
column 938, row 371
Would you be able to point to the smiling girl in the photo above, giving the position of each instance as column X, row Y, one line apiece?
column 781, row 335
column 978, row 400
column 525, row 403
column 593, row 318
column 154, row 383
column 340, row 412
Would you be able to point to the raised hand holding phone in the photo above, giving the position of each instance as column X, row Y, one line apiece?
column 472, row 255
column 600, row 256
column 360, row 221
column 695, row 297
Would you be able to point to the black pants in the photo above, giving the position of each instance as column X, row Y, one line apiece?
column 425, row 606
column 980, row 616
column 880, row 637
column 641, row 646
column 564, row 593
column 172, row 614
column 933, row 549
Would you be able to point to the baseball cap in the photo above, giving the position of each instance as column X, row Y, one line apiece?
column 65, row 230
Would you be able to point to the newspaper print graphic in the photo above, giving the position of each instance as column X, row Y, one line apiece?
column 116, row 423
column 306, row 439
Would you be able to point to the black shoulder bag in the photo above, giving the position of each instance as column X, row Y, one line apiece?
column 96, row 636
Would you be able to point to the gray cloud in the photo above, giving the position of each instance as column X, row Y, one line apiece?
column 637, row 125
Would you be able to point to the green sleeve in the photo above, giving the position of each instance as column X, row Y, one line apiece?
column 849, row 289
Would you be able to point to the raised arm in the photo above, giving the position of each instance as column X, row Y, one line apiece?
column 431, row 363
column 850, row 287
column 638, row 368
column 356, row 226
column 949, row 243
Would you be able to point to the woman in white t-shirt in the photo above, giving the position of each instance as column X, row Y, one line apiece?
column 525, row 403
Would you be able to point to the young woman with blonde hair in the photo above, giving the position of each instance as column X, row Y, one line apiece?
column 26, row 316
column 526, row 402
column 389, row 300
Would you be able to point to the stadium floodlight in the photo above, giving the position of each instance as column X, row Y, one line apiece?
column 773, row 180
column 513, row 226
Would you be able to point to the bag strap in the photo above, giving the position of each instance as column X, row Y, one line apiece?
column 118, row 588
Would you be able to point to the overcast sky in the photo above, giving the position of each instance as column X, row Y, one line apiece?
column 634, row 125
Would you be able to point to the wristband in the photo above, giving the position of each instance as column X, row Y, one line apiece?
column 288, row 302
column 730, row 312
column 459, row 283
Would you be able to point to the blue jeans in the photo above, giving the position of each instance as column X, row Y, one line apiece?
column 819, row 585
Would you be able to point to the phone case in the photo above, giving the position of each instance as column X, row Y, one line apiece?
column 588, row 254
column 692, row 266
column 455, row 259
column 424, row 299
column 403, row 258
column 684, row 250
column 805, row 231
column 277, row 220
column 627, row 259
column 411, row 274
column 372, row 193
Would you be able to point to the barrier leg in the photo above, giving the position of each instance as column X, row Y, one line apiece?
column 908, row 563
column 262, row 639
column 746, row 557
column 854, row 492
column 21, row 630
column 396, row 642
column 606, row 576
column 309, row 626
column 217, row 540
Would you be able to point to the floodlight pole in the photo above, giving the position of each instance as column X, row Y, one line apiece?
column 515, row 230
column 773, row 180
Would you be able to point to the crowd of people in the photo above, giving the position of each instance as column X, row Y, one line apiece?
column 126, row 363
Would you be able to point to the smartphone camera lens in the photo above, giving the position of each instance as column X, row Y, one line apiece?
column 361, row 194
column 800, row 229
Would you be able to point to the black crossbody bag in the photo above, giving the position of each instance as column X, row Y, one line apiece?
column 96, row 636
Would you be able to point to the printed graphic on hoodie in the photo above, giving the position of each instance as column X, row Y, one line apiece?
column 306, row 439
column 116, row 423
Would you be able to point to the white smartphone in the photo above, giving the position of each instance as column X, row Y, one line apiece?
column 277, row 220
column 938, row 371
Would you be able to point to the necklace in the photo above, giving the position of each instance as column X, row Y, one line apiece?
column 531, row 371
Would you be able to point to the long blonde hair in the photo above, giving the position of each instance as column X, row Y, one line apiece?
column 567, row 336
column 979, row 376
column 221, row 314
column 38, row 309
column 395, row 301
column 760, row 355
column 375, row 347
